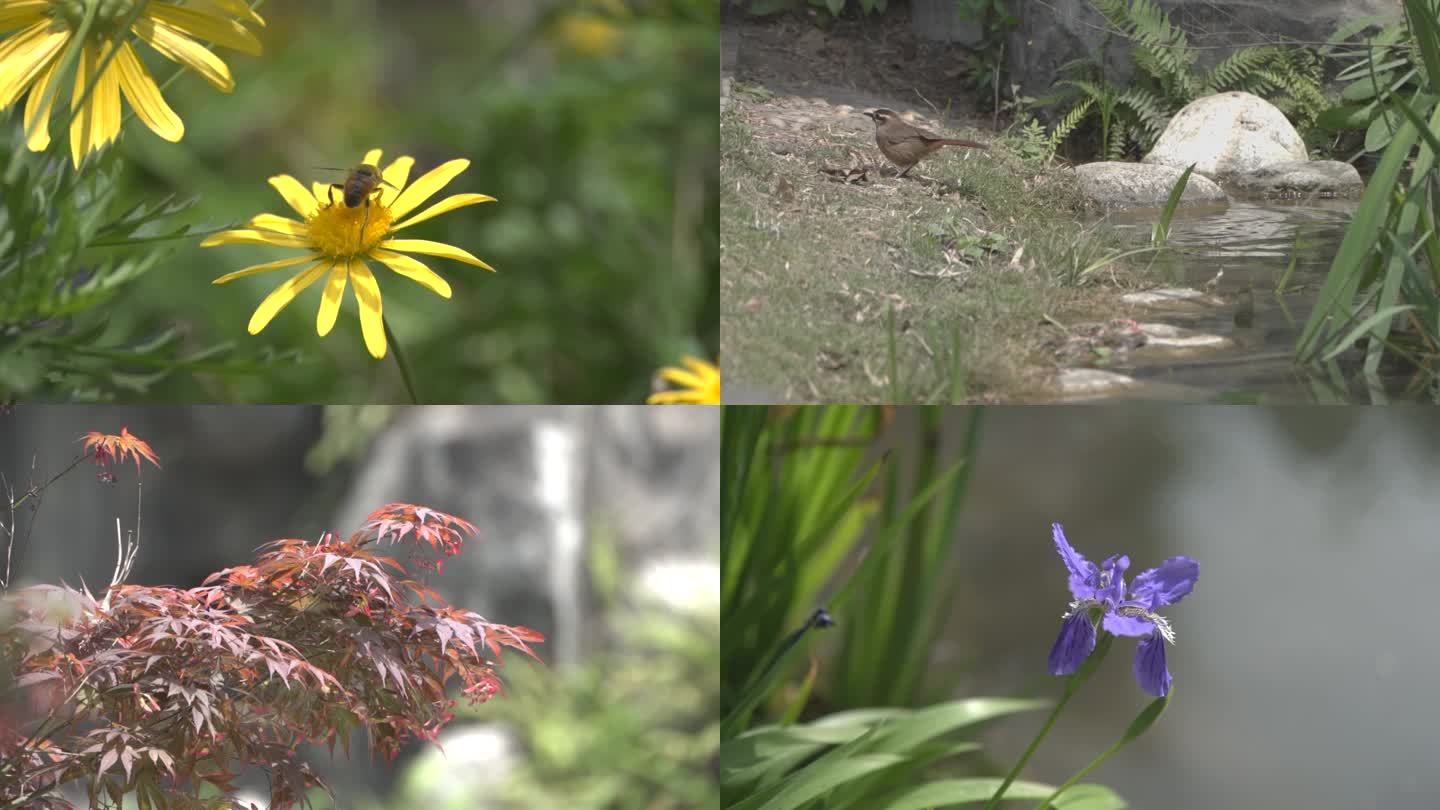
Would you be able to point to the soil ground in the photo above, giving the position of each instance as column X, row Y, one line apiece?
column 842, row 282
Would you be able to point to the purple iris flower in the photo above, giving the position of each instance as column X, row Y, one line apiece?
column 1132, row 614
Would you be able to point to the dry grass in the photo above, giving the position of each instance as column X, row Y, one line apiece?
column 895, row 290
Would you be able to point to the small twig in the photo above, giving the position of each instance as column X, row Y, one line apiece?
column 927, row 101
column 946, row 273
column 9, row 530
column 928, row 352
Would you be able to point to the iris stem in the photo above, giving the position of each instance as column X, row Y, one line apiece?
column 1034, row 744
column 1072, row 684
column 1081, row 774
column 400, row 361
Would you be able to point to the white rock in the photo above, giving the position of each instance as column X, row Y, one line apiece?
column 1227, row 134
column 1169, row 336
column 1091, row 382
column 1169, row 296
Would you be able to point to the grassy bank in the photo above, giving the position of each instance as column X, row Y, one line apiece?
column 893, row 290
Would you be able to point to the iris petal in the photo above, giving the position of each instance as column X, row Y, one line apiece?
column 1150, row 668
column 1074, row 644
column 1128, row 626
column 1084, row 575
column 1167, row 583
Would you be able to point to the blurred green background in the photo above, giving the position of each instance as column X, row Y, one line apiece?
column 593, row 123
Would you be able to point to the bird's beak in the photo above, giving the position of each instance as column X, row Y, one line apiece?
column 868, row 114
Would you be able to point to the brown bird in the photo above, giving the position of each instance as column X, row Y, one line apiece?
column 904, row 145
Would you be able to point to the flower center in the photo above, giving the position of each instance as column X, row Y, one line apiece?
column 339, row 231
column 1162, row 625
column 108, row 13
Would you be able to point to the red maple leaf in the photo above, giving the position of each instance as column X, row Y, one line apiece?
column 109, row 448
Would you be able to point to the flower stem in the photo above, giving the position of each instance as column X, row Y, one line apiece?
column 1072, row 684
column 400, row 361
column 1081, row 774
column 1034, row 744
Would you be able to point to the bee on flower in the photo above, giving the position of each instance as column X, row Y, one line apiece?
column 340, row 240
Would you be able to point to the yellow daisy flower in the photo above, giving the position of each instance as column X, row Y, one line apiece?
column 339, row 239
column 30, row 58
column 699, row 381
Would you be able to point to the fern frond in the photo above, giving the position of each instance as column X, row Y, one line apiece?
column 1150, row 112
column 1069, row 122
column 1234, row 68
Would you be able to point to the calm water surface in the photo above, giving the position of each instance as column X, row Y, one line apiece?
column 1253, row 243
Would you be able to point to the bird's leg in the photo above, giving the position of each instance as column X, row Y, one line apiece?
column 907, row 170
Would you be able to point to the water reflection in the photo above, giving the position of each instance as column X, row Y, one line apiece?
column 1305, row 657
column 1256, row 249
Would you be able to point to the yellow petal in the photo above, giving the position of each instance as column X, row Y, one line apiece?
column 236, row 7
column 24, row 55
column 282, row 295
column 37, row 120
column 325, row 193
column 20, row 13
column 263, row 268
column 106, row 98
column 372, row 157
column 202, row 25
column 426, row 185
column 144, row 96
column 396, row 175
column 414, row 270
column 330, row 299
column 82, row 123
column 372, row 324
column 681, row 378
column 301, row 200
column 678, row 398
column 279, row 224
column 430, row 248
column 251, row 237
column 444, row 206
column 177, row 47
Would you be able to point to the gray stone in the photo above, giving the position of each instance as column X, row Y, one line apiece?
column 1301, row 178
column 1227, row 134
column 1125, row 185
column 939, row 20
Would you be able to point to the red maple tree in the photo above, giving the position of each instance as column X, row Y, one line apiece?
column 161, row 691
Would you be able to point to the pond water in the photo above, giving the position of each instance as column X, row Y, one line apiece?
column 1305, row 658
column 1253, row 243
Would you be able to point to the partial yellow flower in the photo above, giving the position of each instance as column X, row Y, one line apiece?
column 588, row 35
column 339, row 241
column 699, row 384
column 43, row 29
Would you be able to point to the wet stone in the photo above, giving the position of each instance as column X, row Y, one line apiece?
column 1170, row 338
column 1170, row 296
column 1091, row 382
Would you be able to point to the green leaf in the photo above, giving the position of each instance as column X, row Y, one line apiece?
column 1381, row 130
column 1346, row 116
column 957, row 792
column 1146, row 718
